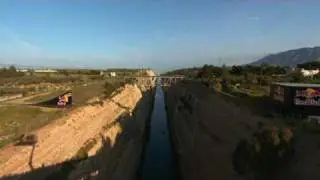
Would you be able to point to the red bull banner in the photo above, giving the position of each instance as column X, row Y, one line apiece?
column 64, row 99
column 307, row 97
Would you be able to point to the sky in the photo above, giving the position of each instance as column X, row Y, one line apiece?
column 152, row 34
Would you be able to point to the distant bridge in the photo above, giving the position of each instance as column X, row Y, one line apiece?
column 163, row 81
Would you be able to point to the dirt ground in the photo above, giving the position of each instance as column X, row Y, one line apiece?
column 61, row 139
column 206, row 134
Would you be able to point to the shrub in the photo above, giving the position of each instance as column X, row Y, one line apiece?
column 250, row 78
column 296, row 77
column 264, row 152
column 81, row 154
column 264, row 80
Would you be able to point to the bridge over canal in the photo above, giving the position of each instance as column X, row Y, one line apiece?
column 163, row 81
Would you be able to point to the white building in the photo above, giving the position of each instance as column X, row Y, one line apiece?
column 113, row 74
column 307, row 73
column 45, row 71
column 22, row 70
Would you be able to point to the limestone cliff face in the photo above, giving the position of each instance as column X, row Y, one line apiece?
column 150, row 73
column 116, row 126
column 121, row 146
column 205, row 130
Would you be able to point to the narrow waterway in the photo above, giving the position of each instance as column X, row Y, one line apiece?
column 158, row 161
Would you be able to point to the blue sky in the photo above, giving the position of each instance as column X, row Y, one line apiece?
column 157, row 34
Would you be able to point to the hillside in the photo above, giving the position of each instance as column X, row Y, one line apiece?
column 291, row 57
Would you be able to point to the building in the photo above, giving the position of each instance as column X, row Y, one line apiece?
column 302, row 97
column 23, row 70
column 113, row 74
column 309, row 73
column 45, row 71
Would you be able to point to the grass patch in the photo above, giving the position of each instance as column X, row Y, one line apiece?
column 81, row 94
column 17, row 120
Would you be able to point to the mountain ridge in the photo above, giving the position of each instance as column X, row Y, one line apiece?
column 291, row 57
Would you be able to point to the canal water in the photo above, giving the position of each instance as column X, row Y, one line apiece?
column 158, row 161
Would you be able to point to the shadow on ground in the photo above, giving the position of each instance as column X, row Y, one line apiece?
column 118, row 160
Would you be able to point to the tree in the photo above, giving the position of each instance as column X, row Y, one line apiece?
column 10, row 72
column 309, row 65
column 31, row 71
column 225, row 74
column 205, row 72
column 264, row 80
column 12, row 68
column 236, row 70
column 296, row 77
column 250, row 78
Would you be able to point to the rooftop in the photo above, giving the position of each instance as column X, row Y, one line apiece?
column 298, row 85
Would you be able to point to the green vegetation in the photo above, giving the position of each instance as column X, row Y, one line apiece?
column 10, row 72
column 310, row 65
column 188, row 72
column 250, row 85
column 259, row 74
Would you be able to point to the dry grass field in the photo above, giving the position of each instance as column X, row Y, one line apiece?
column 16, row 120
column 26, row 113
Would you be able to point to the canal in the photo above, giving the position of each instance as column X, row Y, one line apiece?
column 158, row 162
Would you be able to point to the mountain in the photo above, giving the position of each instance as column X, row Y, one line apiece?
column 291, row 57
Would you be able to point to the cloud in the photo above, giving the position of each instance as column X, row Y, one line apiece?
column 253, row 18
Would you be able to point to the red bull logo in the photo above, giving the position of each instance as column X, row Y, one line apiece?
column 64, row 99
column 308, row 93
column 309, row 96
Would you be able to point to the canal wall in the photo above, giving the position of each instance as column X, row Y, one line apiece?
column 121, row 145
column 100, row 141
column 205, row 130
